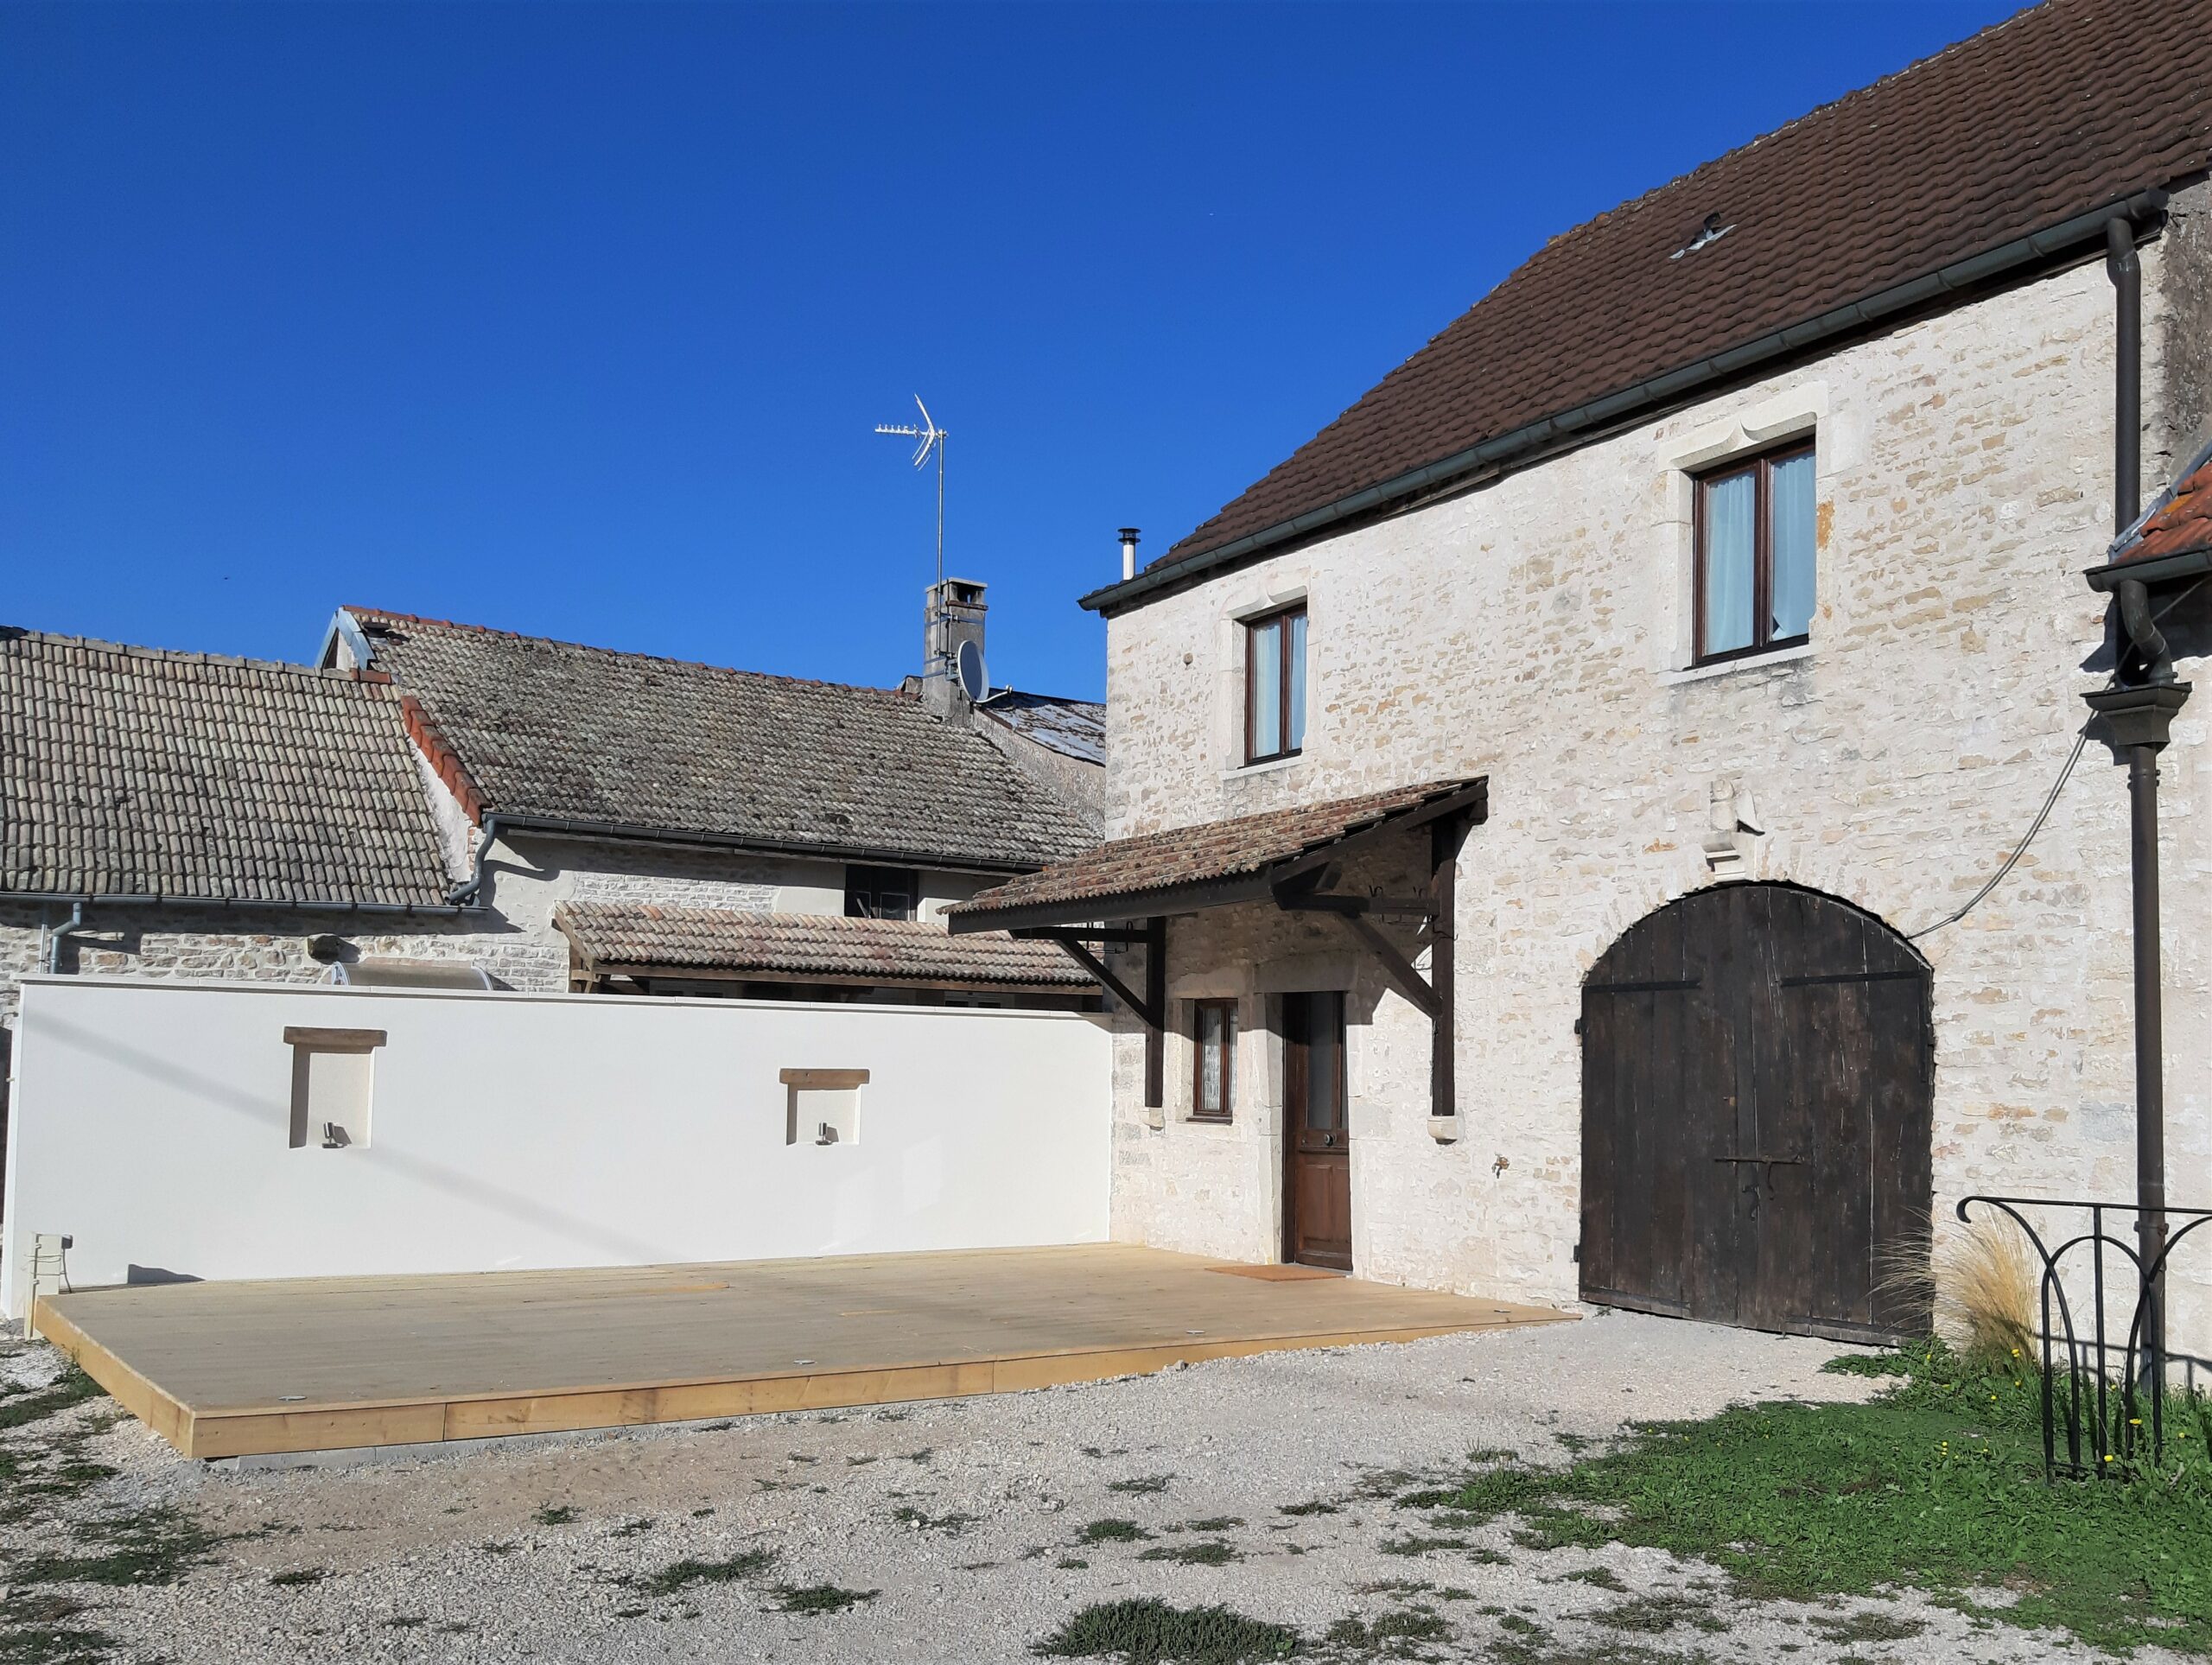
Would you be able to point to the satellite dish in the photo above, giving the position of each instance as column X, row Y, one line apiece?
column 973, row 682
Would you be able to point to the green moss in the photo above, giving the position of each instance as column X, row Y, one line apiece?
column 1112, row 1530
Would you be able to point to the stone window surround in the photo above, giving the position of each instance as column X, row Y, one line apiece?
column 1258, row 1108
column 1242, row 603
column 1800, row 412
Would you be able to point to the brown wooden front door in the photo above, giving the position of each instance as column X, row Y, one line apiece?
column 1756, row 1101
column 1317, row 1149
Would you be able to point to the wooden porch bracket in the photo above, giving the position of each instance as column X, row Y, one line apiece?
column 1151, row 1006
column 1432, row 994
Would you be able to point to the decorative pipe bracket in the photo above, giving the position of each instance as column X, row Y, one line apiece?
column 2139, row 716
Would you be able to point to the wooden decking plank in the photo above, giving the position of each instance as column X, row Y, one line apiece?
column 225, row 1370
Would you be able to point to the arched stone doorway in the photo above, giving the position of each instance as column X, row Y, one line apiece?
column 1757, row 1075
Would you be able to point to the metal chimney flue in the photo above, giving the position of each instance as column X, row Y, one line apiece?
column 1128, row 552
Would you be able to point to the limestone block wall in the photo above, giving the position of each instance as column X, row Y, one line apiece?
column 1537, row 631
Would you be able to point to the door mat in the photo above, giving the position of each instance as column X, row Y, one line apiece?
column 1277, row 1273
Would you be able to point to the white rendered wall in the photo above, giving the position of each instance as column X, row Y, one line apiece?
column 528, row 1130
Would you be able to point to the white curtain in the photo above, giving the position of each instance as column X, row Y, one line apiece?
column 1297, row 623
column 1265, row 646
column 1793, row 547
column 1730, row 507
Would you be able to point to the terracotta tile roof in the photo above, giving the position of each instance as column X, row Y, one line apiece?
column 805, row 945
column 2179, row 523
column 2059, row 111
column 556, row 731
column 131, row 772
column 1122, row 875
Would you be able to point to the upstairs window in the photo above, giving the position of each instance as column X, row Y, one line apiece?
column 1274, row 686
column 881, row 892
column 1213, row 1050
column 1754, row 555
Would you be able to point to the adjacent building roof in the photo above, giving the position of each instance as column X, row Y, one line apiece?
column 2179, row 523
column 127, row 772
column 620, row 937
column 540, row 730
column 1207, row 865
column 2058, row 113
column 1074, row 728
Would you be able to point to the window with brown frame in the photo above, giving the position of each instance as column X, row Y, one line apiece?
column 1213, row 1060
column 1274, row 685
column 1755, row 558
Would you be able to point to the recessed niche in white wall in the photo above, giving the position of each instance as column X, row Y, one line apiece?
column 333, row 1079
column 823, row 1107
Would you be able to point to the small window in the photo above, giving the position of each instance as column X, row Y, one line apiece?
column 1213, row 1052
column 1274, row 686
column 1754, row 555
column 881, row 892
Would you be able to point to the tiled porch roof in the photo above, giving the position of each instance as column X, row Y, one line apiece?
column 1206, row 864
column 805, row 947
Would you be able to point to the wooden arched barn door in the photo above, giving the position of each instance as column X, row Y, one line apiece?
column 1757, row 1073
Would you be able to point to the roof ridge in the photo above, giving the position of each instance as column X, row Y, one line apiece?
column 358, row 613
column 192, row 656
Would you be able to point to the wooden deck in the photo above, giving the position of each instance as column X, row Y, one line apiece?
column 224, row 1369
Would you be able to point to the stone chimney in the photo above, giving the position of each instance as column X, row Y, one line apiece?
column 953, row 676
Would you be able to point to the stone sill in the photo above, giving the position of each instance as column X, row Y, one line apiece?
column 1247, row 770
column 1700, row 673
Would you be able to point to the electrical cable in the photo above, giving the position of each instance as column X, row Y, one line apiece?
column 2080, row 744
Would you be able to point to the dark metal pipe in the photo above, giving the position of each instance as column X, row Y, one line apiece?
column 2150, row 1042
column 2125, row 269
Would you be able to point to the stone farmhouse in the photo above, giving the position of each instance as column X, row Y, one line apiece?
column 445, row 803
column 1535, row 810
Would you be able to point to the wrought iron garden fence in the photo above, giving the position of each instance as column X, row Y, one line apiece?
column 2105, row 1398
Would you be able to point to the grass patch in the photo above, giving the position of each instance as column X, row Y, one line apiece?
column 555, row 1515
column 1656, row 1615
column 1937, row 1483
column 157, row 1545
column 1214, row 1552
column 1112, row 1530
column 299, row 1575
column 1416, row 1545
column 681, row 1575
column 1870, row 1627
column 1211, row 1523
column 1141, row 1483
column 1602, row 1578
column 1307, row 1508
column 34, row 1630
column 819, row 1597
column 1394, row 1635
column 952, row 1525
column 73, row 1387
column 1150, row 1632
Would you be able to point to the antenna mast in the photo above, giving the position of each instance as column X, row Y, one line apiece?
column 933, row 438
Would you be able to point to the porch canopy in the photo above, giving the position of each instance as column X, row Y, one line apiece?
column 643, row 942
column 1123, row 893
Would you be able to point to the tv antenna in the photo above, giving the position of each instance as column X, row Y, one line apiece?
column 933, row 438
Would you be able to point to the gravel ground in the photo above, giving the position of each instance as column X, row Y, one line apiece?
column 966, row 1518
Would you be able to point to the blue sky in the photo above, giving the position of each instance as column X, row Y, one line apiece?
column 575, row 319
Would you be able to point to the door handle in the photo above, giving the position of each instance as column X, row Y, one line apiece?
column 1328, row 1139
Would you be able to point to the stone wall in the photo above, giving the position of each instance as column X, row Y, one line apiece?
column 1537, row 631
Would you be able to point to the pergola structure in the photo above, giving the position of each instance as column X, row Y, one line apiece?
column 1123, row 893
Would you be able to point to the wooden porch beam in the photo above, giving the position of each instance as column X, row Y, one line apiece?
column 1097, row 967
column 1155, row 990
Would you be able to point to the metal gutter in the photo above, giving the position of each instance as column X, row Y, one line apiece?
column 1506, row 449
column 118, row 899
